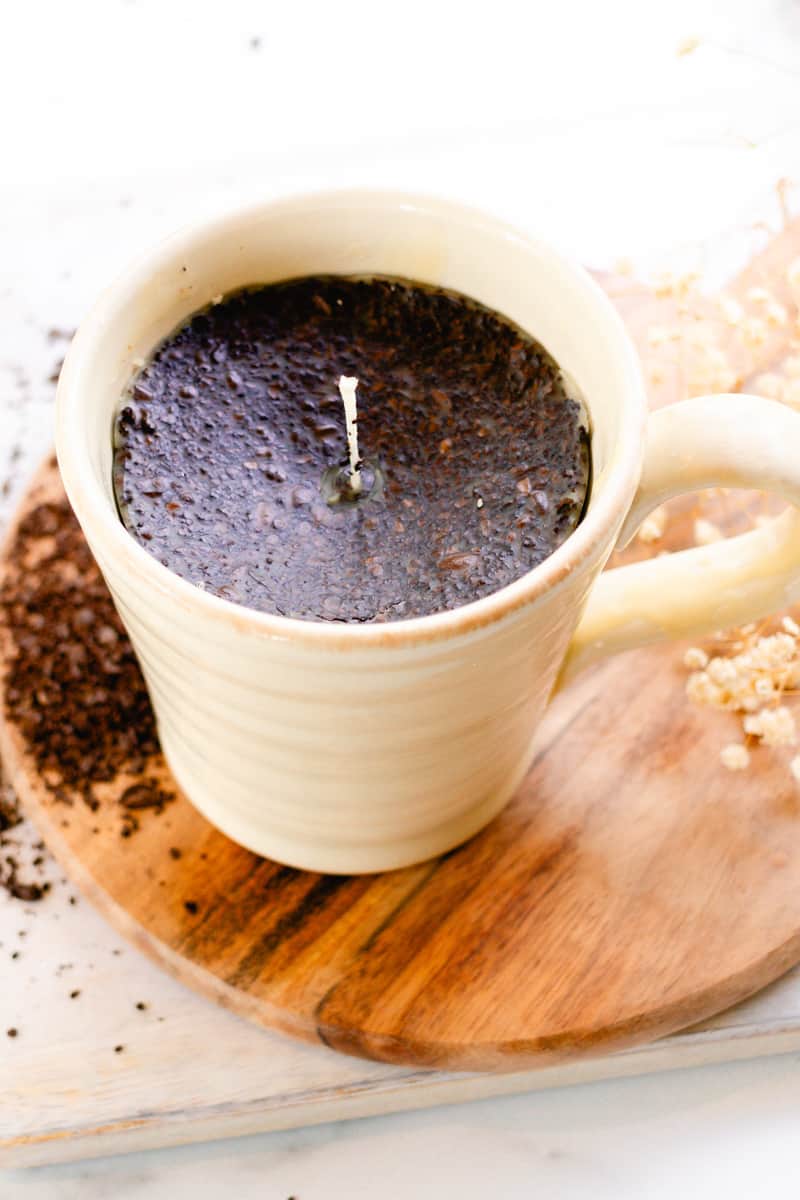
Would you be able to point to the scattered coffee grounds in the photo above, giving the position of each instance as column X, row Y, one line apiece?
column 15, row 454
column 58, row 335
column 137, row 798
column 14, row 875
column 74, row 995
column 174, row 852
column 26, row 396
column 144, row 795
column 476, row 459
column 141, row 1006
column 74, row 687
column 12, row 1033
column 25, row 891
column 118, row 1049
column 190, row 906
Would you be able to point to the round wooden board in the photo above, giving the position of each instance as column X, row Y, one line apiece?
column 633, row 886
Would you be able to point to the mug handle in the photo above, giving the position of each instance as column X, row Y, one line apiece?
column 714, row 441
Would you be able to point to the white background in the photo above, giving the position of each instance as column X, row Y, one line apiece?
column 124, row 118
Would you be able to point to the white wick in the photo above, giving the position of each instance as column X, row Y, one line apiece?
column 347, row 390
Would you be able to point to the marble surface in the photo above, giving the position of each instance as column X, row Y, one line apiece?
column 125, row 118
column 730, row 1131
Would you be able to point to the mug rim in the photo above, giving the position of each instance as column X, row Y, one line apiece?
column 102, row 525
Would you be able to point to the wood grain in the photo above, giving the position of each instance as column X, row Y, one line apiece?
column 632, row 888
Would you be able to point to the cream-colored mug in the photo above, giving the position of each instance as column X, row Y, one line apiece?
column 353, row 748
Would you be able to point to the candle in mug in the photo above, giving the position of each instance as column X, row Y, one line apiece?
column 231, row 459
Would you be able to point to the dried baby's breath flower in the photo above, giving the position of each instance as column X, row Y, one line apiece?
column 701, row 690
column 713, row 374
column 791, row 393
column 687, row 46
column 700, row 336
column 708, row 365
column 749, row 674
column 723, row 671
column 776, row 314
column 775, row 726
column 652, row 527
column 731, row 309
column 676, row 287
column 769, row 385
column 754, row 332
column 706, row 532
column 735, row 757
column 744, row 681
column 775, row 650
column 787, row 391
column 657, row 335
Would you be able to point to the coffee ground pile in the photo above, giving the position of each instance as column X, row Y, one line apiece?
column 23, row 860
column 74, row 689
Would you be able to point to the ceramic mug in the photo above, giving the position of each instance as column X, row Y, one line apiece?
column 358, row 748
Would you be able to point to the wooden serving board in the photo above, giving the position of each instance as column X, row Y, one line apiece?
column 631, row 888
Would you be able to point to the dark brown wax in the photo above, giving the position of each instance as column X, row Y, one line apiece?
column 477, row 459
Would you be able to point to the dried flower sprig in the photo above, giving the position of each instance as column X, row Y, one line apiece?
column 752, row 682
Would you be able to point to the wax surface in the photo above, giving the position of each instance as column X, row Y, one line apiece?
column 223, row 439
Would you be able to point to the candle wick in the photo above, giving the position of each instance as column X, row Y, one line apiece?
column 347, row 390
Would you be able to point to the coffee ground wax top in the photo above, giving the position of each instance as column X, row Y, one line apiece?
column 478, row 457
